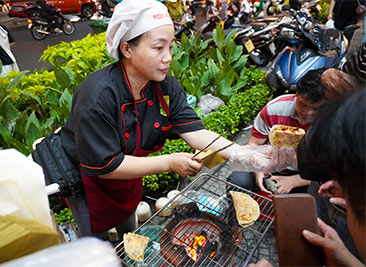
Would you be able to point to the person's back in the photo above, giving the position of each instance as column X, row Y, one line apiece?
column 175, row 8
column 46, row 11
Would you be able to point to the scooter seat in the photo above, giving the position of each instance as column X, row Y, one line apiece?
column 258, row 25
column 270, row 19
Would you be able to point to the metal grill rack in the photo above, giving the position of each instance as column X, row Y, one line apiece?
column 239, row 245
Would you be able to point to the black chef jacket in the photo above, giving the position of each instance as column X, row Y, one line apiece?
column 101, row 127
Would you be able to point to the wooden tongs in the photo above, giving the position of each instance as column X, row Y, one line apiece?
column 213, row 153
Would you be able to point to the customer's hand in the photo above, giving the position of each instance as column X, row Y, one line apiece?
column 330, row 189
column 284, row 184
column 259, row 177
column 335, row 251
column 183, row 164
column 261, row 263
column 338, row 201
column 330, row 16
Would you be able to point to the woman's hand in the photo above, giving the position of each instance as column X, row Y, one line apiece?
column 184, row 165
column 335, row 251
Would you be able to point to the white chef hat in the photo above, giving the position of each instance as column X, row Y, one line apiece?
column 132, row 18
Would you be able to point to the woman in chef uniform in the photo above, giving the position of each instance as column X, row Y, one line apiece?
column 124, row 112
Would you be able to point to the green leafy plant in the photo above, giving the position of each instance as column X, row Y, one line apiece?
column 64, row 216
column 218, row 70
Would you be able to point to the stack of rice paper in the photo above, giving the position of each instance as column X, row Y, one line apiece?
column 19, row 237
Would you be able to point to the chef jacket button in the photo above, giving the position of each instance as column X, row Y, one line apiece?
column 150, row 102
column 127, row 135
column 156, row 125
column 156, row 147
column 123, row 108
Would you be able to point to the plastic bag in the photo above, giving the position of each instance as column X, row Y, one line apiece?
column 330, row 24
column 209, row 103
column 87, row 251
column 191, row 100
column 263, row 158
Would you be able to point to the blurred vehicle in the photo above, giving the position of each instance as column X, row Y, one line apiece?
column 107, row 8
column 311, row 46
column 212, row 18
column 273, row 7
column 260, row 38
column 41, row 27
column 214, row 3
column 186, row 25
column 28, row 8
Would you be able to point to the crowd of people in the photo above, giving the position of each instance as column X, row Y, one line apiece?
column 126, row 111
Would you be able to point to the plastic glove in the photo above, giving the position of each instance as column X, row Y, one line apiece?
column 263, row 158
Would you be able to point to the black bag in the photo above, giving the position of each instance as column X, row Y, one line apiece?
column 57, row 166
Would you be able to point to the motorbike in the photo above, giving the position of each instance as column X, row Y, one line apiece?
column 41, row 27
column 186, row 25
column 273, row 7
column 106, row 8
column 260, row 38
column 310, row 46
column 212, row 18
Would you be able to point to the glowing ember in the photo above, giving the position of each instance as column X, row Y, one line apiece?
column 196, row 245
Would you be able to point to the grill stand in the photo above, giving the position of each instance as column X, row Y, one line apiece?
column 207, row 198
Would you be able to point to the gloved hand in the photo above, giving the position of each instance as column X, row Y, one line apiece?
column 263, row 158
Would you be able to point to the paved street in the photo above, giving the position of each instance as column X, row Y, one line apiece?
column 27, row 50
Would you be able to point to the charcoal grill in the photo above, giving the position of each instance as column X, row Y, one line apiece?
column 202, row 229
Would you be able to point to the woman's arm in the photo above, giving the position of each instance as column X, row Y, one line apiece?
column 134, row 167
column 200, row 139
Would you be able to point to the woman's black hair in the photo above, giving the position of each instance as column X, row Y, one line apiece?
column 133, row 42
column 334, row 148
column 310, row 86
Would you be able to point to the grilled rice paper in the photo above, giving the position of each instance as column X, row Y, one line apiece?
column 282, row 135
column 246, row 208
column 135, row 245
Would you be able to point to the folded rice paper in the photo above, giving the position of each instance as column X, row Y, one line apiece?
column 210, row 161
column 19, row 237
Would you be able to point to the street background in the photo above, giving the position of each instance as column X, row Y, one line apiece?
column 27, row 51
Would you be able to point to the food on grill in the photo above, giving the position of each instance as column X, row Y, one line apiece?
column 282, row 135
column 160, row 203
column 135, row 245
column 246, row 208
column 212, row 161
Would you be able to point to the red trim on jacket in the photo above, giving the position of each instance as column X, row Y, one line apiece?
column 99, row 168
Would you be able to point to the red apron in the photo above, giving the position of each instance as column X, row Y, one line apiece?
column 112, row 201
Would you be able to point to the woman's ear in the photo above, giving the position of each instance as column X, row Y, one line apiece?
column 125, row 49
